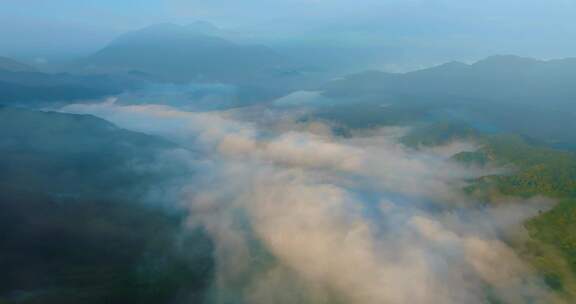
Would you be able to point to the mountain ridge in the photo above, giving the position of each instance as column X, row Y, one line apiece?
column 9, row 64
column 181, row 53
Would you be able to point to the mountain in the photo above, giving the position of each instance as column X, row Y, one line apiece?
column 29, row 88
column 532, row 171
column 78, row 224
column 496, row 78
column 12, row 65
column 530, row 97
column 185, row 53
column 48, row 151
column 206, row 28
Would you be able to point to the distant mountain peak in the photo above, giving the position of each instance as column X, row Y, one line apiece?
column 184, row 53
column 161, row 26
column 503, row 60
column 195, row 28
column 448, row 66
column 203, row 27
column 454, row 64
column 162, row 33
column 12, row 65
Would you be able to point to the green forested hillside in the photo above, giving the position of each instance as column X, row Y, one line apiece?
column 531, row 170
column 76, row 225
column 535, row 170
column 552, row 173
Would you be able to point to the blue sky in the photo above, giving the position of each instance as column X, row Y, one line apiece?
column 543, row 28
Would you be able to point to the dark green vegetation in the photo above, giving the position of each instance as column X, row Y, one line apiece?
column 36, row 88
column 76, row 221
column 533, row 169
column 438, row 134
column 369, row 115
column 540, row 171
column 73, row 155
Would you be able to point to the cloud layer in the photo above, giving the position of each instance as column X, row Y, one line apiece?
column 299, row 215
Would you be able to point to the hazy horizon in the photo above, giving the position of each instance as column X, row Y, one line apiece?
column 414, row 32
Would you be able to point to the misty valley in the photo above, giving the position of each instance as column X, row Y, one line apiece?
column 184, row 162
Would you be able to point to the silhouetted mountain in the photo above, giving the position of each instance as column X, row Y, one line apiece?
column 503, row 78
column 184, row 53
column 498, row 94
column 12, row 65
column 35, row 88
column 205, row 28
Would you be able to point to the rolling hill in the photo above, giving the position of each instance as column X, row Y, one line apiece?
column 499, row 94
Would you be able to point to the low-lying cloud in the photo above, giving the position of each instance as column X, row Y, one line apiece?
column 299, row 215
